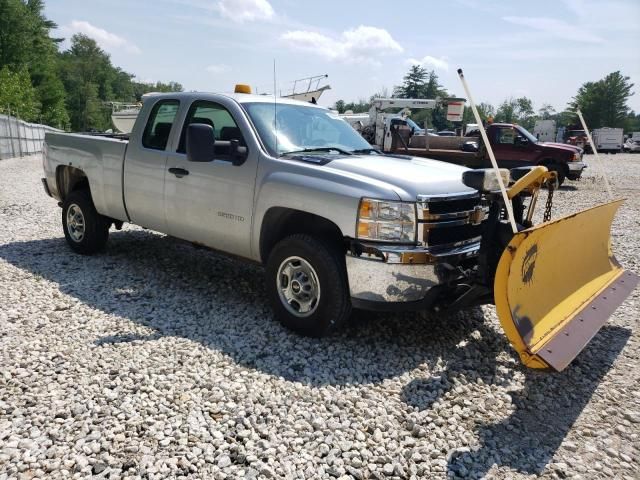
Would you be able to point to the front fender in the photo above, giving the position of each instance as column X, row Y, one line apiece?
column 335, row 199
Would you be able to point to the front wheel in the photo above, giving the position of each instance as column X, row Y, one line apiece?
column 307, row 285
column 85, row 230
column 561, row 172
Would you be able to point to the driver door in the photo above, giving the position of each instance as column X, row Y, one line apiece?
column 511, row 148
column 211, row 203
column 503, row 143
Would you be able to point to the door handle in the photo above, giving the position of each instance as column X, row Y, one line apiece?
column 179, row 172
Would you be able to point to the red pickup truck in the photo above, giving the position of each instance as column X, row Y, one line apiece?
column 514, row 146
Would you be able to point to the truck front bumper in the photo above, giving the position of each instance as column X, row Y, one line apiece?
column 574, row 169
column 389, row 277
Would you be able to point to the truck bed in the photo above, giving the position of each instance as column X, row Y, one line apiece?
column 100, row 157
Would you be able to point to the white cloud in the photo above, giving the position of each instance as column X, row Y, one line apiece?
column 361, row 44
column 245, row 10
column 218, row 68
column 556, row 28
column 429, row 61
column 107, row 40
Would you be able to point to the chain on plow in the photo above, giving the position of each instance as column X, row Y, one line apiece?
column 549, row 205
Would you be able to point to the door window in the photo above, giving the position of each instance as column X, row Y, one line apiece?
column 215, row 115
column 506, row 136
column 156, row 132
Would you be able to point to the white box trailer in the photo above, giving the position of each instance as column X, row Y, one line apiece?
column 608, row 139
column 545, row 130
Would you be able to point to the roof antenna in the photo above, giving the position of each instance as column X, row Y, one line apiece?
column 275, row 108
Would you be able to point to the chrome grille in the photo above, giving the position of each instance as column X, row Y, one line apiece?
column 450, row 219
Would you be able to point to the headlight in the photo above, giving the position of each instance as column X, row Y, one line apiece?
column 386, row 221
column 575, row 157
column 485, row 179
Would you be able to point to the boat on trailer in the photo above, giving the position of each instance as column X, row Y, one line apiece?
column 307, row 89
column 123, row 115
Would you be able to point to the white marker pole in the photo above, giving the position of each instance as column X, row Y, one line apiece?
column 485, row 139
column 595, row 152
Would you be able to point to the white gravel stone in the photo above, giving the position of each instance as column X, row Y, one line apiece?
column 158, row 360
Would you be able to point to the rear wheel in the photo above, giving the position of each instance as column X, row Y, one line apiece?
column 307, row 285
column 85, row 230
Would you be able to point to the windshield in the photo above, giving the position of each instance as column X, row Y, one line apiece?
column 524, row 132
column 413, row 124
column 302, row 128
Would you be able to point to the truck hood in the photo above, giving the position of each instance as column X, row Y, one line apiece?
column 407, row 176
column 560, row 146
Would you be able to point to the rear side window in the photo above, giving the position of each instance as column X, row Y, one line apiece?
column 156, row 132
column 214, row 114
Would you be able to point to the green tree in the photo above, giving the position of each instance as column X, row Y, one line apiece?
column 433, row 89
column 339, row 106
column 421, row 83
column 71, row 87
column 25, row 42
column 546, row 112
column 15, row 32
column 485, row 110
column 140, row 88
column 604, row 103
column 516, row 110
column 632, row 123
column 361, row 106
column 506, row 112
column 17, row 95
column 414, row 83
column 86, row 76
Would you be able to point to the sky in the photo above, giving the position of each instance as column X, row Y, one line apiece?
column 542, row 49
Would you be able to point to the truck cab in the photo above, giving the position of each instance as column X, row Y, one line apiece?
column 287, row 184
column 514, row 146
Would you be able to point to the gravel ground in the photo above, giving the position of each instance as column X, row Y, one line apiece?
column 159, row 360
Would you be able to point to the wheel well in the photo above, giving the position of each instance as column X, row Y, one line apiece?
column 70, row 179
column 280, row 222
column 548, row 162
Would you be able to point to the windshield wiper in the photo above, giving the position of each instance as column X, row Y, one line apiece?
column 368, row 151
column 319, row 149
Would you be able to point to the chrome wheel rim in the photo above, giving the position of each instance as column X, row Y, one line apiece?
column 75, row 223
column 298, row 286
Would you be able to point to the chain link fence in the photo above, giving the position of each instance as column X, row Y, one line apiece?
column 19, row 138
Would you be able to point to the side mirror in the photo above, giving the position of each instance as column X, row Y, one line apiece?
column 200, row 142
column 237, row 153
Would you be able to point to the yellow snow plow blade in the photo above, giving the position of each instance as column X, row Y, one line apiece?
column 556, row 285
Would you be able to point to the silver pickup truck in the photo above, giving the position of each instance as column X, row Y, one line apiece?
column 291, row 185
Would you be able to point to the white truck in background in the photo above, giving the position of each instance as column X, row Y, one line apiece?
column 545, row 130
column 609, row 140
